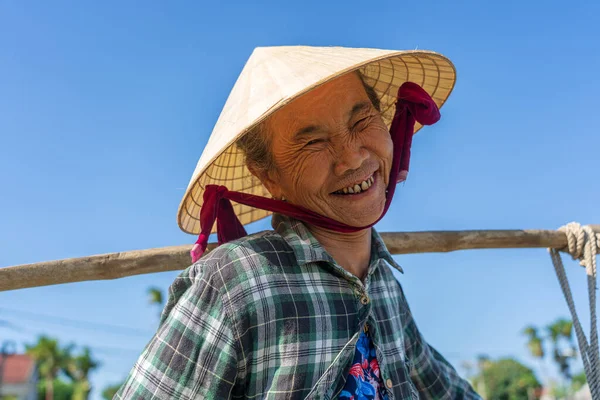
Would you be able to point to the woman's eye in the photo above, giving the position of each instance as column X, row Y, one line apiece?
column 314, row 141
column 360, row 124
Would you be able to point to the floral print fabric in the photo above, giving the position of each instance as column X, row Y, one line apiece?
column 364, row 382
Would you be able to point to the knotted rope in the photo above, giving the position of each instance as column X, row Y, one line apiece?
column 583, row 245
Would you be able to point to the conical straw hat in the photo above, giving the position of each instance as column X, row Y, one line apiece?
column 273, row 77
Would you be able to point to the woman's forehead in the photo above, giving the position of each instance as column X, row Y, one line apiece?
column 334, row 100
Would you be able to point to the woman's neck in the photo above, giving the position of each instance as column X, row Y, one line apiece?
column 350, row 250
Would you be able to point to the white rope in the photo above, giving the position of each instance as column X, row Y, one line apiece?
column 583, row 245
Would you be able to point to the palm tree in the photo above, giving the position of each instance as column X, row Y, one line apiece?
column 51, row 359
column 562, row 329
column 565, row 327
column 554, row 333
column 534, row 343
column 558, row 332
column 156, row 298
column 78, row 369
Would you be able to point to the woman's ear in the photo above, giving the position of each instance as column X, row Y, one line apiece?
column 268, row 179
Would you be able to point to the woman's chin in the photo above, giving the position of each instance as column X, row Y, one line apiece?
column 360, row 218
column 358, row 210
column 363, row 216
column 355, row 214
column 362, row 222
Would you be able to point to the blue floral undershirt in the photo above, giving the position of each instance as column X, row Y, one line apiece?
column 364, row 382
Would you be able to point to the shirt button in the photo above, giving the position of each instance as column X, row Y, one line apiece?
column 389, row 383
column 364, row 300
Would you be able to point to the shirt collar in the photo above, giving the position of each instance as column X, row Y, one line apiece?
column 307, row 248
column 379, row 249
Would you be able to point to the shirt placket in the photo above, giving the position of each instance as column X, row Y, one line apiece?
column 387, row 382
column 363, row 307
column 389, row 378
column 386, row 379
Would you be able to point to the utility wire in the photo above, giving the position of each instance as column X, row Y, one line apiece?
column 75, row 323
column 104, row 351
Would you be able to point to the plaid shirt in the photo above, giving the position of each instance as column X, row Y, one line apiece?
column 273, row 316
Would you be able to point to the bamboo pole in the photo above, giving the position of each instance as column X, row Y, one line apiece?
column 129, row 263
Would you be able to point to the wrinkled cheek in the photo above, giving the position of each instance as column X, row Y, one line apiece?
column 290, row 173
column 305, row 174
column 387, row 156
column 295, row 185
column 308, row 193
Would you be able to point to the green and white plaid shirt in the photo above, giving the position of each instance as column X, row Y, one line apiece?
column 273, row 316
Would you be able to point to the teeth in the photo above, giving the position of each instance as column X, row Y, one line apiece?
column 359, row 187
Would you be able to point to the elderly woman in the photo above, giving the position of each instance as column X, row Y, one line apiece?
column 311, row 310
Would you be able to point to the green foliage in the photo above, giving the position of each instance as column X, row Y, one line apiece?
column 62, row 390
column 560, row 333
column 109, row 392
column 560, row 336
column 530, row 331
column 80, row 366
column 52, row 360
column 78, row 369
column 506, row 379
column 554, row 332
column 49, row 356
column 156, row 296
column 536, row 347
column 578, row 381
column 565, row 327
column 534, row 343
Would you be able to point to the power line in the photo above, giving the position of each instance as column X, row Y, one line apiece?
column 8, row 325
column 117, row 329
column 80, row 324
column 104, row 351
column 115, row 351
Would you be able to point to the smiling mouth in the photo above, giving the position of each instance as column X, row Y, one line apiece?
column 357, row 188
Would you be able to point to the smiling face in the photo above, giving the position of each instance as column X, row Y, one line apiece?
column 332, row 153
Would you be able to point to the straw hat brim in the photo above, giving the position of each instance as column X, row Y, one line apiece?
column 226, row 165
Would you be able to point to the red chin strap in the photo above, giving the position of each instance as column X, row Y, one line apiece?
column 414, row 104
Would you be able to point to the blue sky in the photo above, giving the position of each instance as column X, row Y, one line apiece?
column 106, row 106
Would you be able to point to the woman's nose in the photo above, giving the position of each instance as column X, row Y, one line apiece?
column 350, row 157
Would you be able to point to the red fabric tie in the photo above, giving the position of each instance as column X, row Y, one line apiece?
column 414, row 104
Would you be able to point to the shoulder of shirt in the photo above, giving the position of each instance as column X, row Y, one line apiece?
column 232, row 266
column 253, row 254
column 237, row 250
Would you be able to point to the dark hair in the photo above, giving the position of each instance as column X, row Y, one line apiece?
column 256, row 144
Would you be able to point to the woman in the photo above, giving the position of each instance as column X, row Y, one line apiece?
column 320, row 137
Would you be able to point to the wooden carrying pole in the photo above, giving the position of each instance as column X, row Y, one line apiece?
column 119, row 265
